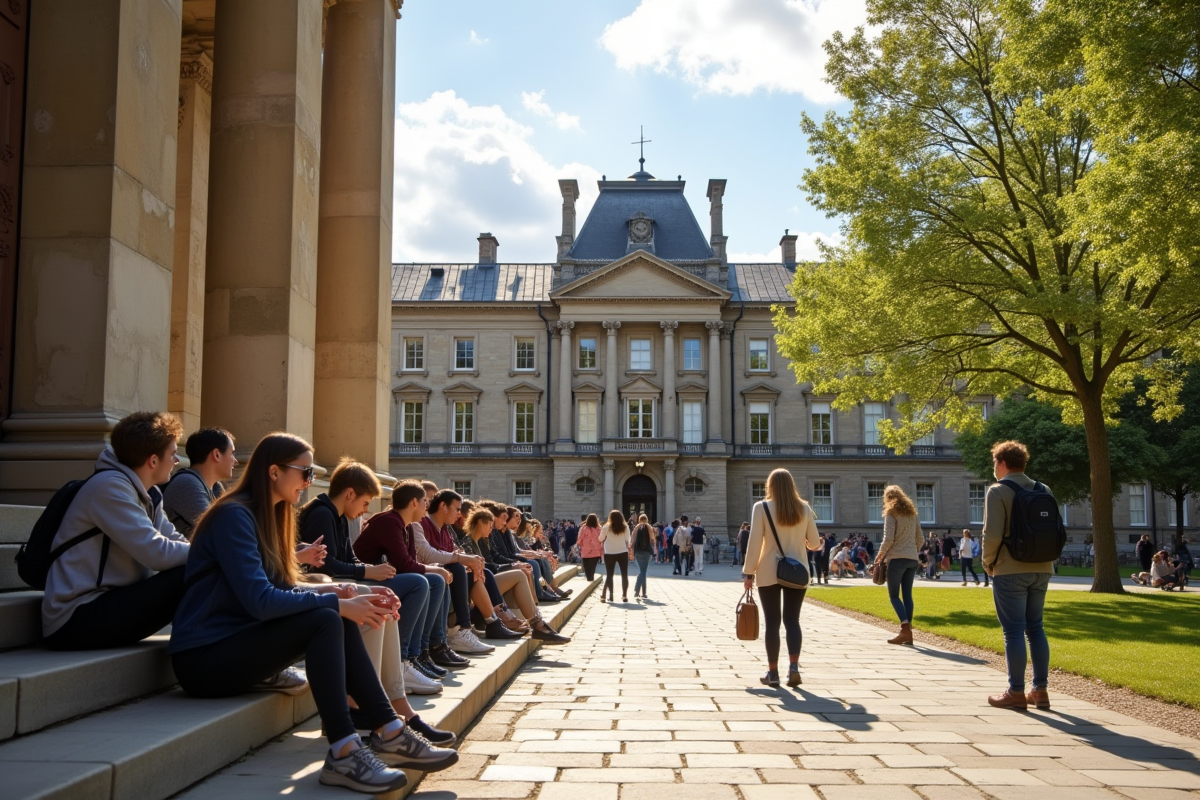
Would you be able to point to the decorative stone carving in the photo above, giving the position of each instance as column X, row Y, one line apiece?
column 715, row 328
column 669, row 464
column 199, row 70
column 609, row 464
column 641, row 228
column 668, row 327
column 611, row 327
column 564, row 327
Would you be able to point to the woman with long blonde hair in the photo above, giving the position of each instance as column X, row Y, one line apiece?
column 643, row 549
column 902, row 540
column 615, row 538
column 781, row 525
column 243, row 622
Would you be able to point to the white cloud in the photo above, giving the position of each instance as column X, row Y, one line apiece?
column 476, row 40
column 736, row 46
column 533, row 102
column 807, row 249
column 461, row 169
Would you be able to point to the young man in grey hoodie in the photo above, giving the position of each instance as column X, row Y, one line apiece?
column 118, row 588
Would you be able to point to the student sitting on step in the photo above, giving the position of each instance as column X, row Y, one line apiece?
column 243, row 621
column 191, row 491
column 119, row 587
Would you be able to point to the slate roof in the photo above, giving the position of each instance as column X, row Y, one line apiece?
column 760, row 283
column 677, row 235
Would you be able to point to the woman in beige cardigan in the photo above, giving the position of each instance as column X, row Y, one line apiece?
column 902, row 540
column 797, row 531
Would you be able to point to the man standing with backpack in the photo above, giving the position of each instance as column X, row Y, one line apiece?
column 1022, row 536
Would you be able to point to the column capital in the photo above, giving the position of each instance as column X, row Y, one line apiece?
column 609, row 465
column 669, row 465
column 196, row 67
column 715, row 328
column 668, row 327
column 611, row 327
column 564, row 326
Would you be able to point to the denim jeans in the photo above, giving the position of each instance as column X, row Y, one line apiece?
column 436, row 615
column 413, row 591
column 900, row 574
column 1020, row 599
column 642, row 557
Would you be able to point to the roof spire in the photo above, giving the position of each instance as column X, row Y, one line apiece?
column 641, row 143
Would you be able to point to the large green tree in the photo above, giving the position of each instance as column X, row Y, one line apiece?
column 988, row 248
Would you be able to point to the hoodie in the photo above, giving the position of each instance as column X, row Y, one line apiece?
column 142, row 541
column 321, row 518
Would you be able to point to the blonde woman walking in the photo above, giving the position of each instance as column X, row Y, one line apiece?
column 781, row 521
column 615, row 538
column 902, row 540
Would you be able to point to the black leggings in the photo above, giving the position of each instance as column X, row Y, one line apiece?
column 772, row 598
column 621, row 560
column 334, row 657
column 589, row 567
column 122, row 616
column 460, row 593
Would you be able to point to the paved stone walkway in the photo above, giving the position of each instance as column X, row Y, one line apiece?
column 660, row 701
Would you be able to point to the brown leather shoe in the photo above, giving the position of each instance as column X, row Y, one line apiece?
column 1010, row 699
column 1039, row 698
column 904, row 636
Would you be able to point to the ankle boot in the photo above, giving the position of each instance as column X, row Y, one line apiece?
column 904, row 636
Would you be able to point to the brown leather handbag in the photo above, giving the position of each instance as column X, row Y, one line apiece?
column 747, row 618
column 878, row 572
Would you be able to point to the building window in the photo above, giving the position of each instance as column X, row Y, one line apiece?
column 414, row 423
column 925, row 504
column 693, row 486
column 1172, row 513
column 587, row 431
column 691, row 354
column 926, row 440
column 873, row 414
column 875, row 502
column 759, row 358
column 975, row 495
column 758, row 491
column 464, row 422
column 760, row 423
column 641, row 418
column 526, row 361
column 693, row 422
column 822, row 502
column 414, row 353
column 1137, row 504
column 982, row 408
column 463, row 488
column 523, row 422
column 587, row 353
column 464, row 354
column 639, row 354
column 822, row 424
column 585, row 485
column 523, row 496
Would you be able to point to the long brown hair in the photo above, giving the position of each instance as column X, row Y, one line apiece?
column 591, row 521
column 783, row 495
column 616, row 522
column 897, row 503
column 275, row 523
column 477, row 515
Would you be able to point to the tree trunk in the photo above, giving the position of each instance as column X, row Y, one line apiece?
column 1104, row 536
column 1180, row 504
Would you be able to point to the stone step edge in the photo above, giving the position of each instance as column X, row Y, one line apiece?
column 20, row 619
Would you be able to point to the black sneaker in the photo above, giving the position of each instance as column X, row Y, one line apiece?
column 434, row 735
column 411, row 750
column 428, row 668
column 544, row 633
column 548, row 599
column 362, row 771
column 770, row 679
column 497, row 630
column 443, row 656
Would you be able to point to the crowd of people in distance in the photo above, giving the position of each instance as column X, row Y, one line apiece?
column 253, row 584
column 1160, row 568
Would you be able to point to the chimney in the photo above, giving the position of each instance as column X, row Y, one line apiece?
column 570, row 193
column 788, row 245
column 488, row 245
column 716, row 190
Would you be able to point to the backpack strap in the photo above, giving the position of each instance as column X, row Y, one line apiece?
column 774, row 532
column 1016, row 489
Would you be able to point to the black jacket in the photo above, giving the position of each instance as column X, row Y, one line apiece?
column 321, row 518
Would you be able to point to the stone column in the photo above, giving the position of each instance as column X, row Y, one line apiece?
column 612, row 403
column 609, row 468
column 354, row 242
column 564, row 382
column 670, row 409
column 191, row 235
column 714, row 380
column 260, row 314
column 669, row 486
column 92, row 334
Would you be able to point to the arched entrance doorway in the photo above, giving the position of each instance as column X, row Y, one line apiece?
column 639, row 496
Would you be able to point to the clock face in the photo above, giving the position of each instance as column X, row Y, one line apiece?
column 639, row 230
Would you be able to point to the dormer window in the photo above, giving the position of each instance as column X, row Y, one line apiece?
column 641, row 233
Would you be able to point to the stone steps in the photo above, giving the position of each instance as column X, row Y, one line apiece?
column 20, row 619
column 15, row 524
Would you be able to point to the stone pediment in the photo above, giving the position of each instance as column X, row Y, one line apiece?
column 641, row 386
column 462, row 389
column 588, row 387
column 691, row 387
column 641, row 277
column 761, row 389
column 411, row 389
column 523, row 389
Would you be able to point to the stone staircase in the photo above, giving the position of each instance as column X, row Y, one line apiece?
column 112, row 725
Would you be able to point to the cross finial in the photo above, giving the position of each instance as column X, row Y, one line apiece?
column 641, row 143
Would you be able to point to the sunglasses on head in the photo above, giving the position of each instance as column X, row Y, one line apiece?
column 305, row 472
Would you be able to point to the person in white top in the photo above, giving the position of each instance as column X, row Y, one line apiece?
column 615, row 538
column 795, row 531
column 966, row 556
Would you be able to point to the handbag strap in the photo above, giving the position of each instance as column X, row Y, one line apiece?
column 774, row 532
column 747, row 599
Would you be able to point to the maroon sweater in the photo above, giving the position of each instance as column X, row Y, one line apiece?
column 386, row 535
column 438, row 538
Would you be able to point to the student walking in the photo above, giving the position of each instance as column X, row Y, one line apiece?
column 615, row 537
column 902, row 540
column 590, row 549
column 781, row 522
column 966, row 556
column 1019, row 587
column 643, row 550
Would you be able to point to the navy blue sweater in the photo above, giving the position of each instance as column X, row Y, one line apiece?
column 233, row 592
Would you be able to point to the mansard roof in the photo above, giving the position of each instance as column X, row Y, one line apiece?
column 605, row 235
column 761, row 283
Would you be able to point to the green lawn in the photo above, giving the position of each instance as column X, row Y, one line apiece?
column 1088, row 572
column 1147, row 642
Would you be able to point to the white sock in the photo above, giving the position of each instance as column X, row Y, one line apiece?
column 336, row 747
column 394, row 727
column 492, row 618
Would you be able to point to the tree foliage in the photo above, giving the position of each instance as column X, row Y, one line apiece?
column 1004, row 223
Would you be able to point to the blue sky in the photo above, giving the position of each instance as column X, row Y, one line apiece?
column 496, row 101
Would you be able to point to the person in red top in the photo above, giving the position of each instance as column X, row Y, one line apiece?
column 590, row 548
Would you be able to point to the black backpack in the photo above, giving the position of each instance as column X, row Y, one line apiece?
column 35, row 556
column 1035, row 527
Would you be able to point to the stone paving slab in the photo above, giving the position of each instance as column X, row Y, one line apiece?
column 661, row 701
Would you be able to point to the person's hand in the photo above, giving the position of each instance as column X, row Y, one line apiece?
column 313, row 555
column 748, row 582
column 379, row 572
column 363, row 610
column 445, row 573
column 386, row 598
column 343, row 590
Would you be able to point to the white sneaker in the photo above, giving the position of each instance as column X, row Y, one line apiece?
column 464, row 641
column 417, row 682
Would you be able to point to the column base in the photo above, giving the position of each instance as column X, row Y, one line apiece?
column 41, row 452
